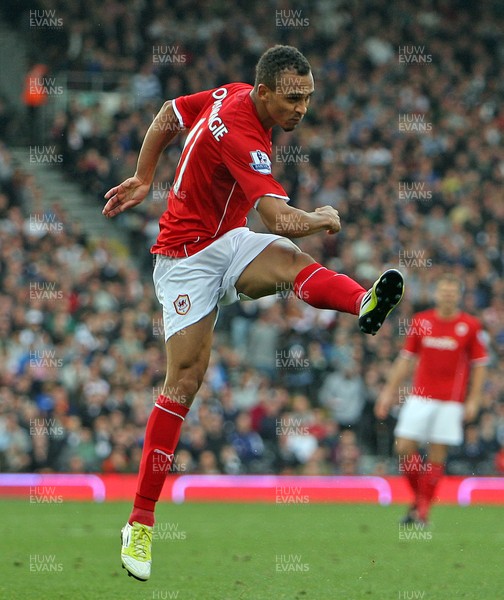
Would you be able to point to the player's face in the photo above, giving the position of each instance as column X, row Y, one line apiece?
column 448, row 296
column 286, row 105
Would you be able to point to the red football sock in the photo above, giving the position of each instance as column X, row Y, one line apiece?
column 427, row 484
column 412, row 467
column 161, row 437
column 323, row 288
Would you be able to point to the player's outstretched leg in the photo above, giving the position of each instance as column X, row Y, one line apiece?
column 283, row 264
column 323, row 288
column 380, row 301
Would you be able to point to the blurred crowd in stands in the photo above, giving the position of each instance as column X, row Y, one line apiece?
column 404, row 137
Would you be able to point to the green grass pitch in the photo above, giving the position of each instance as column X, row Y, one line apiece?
column 253, row 552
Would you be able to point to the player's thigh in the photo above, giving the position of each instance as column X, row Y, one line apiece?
column 415, row 420
column 187, row 357
column 277, row 265
column 447, row 424
column 188, row 288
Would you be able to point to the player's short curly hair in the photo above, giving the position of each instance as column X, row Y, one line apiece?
column 278, row 59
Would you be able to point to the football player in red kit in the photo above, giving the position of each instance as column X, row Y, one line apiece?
column 206, row 256
column 449, row 350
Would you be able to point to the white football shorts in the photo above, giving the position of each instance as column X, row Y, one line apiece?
column 189, row 288
column 426, row 420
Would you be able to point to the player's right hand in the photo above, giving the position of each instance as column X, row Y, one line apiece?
column 382, row 405
column 127, row 194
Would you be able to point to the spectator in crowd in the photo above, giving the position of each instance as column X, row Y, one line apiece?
column 342, row 393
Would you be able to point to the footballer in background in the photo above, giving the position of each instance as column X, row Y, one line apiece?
column 446, row 348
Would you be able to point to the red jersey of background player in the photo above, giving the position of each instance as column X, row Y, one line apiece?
column 445, row 348
column 224, row 168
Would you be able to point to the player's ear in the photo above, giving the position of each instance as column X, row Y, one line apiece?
column 263, row 92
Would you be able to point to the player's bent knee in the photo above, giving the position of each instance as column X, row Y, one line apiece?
column 302, row 260
column 290, row 260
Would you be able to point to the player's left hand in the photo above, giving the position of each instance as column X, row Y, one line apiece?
column 471, row 410
column 127, row 194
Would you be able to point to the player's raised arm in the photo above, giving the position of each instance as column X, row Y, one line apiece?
column 283, row 219
column 163, row 129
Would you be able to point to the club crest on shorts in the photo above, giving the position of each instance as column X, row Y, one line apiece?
column 182, row 304
column 260, row 162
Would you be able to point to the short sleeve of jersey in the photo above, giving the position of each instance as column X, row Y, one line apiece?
column 249, row 163
column 187, row 108
column 478, row 347
column 413, row 339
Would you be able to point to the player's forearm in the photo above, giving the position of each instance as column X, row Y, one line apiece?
column 298, row 223
column 400, row 370
column 161, row 132
column 477, row 382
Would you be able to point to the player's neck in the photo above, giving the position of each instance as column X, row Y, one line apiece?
column 447, row 314
column 262, row 114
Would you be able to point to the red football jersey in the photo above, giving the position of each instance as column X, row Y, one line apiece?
column 224, row 168
column 446, row 349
